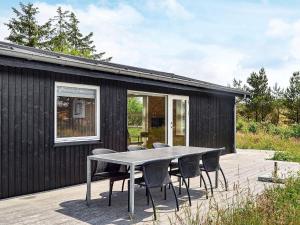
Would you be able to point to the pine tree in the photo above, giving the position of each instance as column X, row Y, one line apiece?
column 292, row 98
column 277, row 94
column 242, row 108
column 25, row 30
column 81, row 45
column 260, row 102
column 59, row 41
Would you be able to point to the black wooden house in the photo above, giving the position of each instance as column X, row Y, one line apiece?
column 56, row 108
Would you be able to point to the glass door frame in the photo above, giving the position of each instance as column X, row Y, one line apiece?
column 170, row 117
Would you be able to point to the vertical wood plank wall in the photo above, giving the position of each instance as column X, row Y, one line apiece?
column 212, row 121
column 29, row 161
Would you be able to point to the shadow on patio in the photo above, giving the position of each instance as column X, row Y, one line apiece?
column 100, row 213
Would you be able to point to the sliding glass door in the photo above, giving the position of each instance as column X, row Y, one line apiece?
column 147, row 115
column 156, row 117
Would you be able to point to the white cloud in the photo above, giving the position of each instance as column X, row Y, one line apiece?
column 278, row 28
column 171, row 7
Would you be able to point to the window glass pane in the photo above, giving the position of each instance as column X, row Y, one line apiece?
column 76, row 112
column 146, row 119
column 179, row 122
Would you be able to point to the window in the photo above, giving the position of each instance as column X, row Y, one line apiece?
column 77, row 112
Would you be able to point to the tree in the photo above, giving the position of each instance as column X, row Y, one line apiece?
column 242, row 110
column 79, row 44
column 260, row 102
column 60, row 34
column 292, row 98
column 25, row 30
column 59, row 42
column 277, row 94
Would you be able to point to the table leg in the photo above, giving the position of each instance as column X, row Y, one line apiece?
column 131, row 200
column 217, row 178
column 88, row 181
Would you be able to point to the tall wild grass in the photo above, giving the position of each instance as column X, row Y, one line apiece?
column 276, row 205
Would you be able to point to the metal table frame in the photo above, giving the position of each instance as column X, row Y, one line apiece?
column 136, row 158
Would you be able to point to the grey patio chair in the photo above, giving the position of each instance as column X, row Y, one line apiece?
column 157, row 145
column 155, row 174
column 189, row 168
column 131, row 148
column 107, row 171
column 211, row 163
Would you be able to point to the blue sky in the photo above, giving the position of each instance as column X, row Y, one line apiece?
column 208, row 40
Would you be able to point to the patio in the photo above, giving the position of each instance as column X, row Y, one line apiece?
column 67, row 205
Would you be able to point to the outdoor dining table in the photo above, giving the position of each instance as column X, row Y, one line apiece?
column 136, row 158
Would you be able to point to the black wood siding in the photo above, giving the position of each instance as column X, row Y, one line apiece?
column 29, row 161
column 212, row 121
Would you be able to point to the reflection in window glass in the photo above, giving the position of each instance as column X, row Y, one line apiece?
column 146, row 119
column 76, row 112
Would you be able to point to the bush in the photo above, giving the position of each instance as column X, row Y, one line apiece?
column 281, row 156
column 296, row 130
column 252, row 127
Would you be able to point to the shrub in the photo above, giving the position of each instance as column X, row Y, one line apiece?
column 281, row 156
column 296, row 130
column 252, row 127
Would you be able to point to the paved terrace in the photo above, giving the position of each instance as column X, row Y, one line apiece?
column 67, row 205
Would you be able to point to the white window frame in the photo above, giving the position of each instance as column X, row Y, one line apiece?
column 97, row 114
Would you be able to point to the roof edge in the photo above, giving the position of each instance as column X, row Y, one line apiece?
column 78, row 62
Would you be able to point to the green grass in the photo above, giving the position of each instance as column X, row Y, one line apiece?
column 276, row 205
column 287, row 149
column 134, row 132
column 284, row 139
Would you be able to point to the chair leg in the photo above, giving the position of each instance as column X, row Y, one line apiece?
column 177, row 206
column 179, row 192
column 147, row 195
column 211, row 187
column 202, row 178
column 225, row 181
column 165, row 192
column 123, row 185
column 187, row 190
column 153, row 206
column 111, row 184
column 188, row 182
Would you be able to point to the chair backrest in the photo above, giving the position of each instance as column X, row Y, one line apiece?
column 160, row 145
column 189, row 165
column 104, row 166
column 156, row 173
column 211, row 160
column 135, row 148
